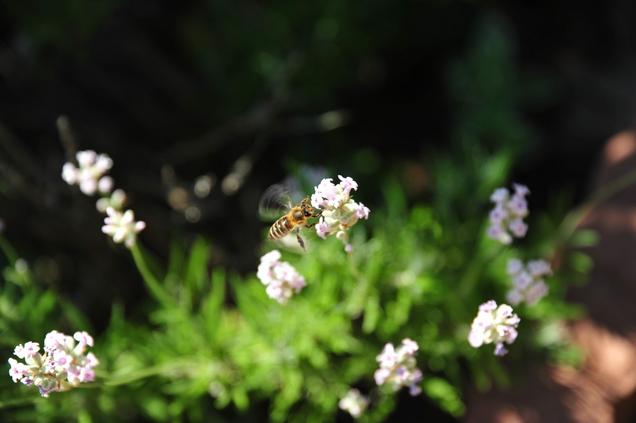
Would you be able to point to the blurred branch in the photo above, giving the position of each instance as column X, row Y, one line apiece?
column 571, row 222
column 242, row 167
column 305, row 125
column 66, row 137
column 253, row 121
column 259, row 119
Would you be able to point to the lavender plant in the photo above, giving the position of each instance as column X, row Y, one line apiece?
column 280, row 278
column 215, row 338
column 209, row 344
column 339, row 211
column 63, row 365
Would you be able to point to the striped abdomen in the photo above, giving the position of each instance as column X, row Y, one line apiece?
column 280, row 228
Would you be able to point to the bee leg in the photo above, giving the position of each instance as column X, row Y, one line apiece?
column 300, row 240
column 315, row 215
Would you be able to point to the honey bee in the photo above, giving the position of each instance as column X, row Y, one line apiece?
column 277, row 200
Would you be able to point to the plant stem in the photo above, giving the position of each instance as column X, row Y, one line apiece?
column 575, row 217
column 185, row 367
column 152, row 283
column 142, row 374
column 471, row 275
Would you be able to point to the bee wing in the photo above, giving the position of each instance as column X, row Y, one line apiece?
column 275, row 202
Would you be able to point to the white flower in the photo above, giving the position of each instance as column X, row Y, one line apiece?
column 528, row 284
column 86, row 158
column 116, row 200
column 122, row 226
column 90, row 175
column 514, row 266
column 506, row 218
column 494, row 325
column 54, row 340
column 323, row 229
column 27, row 350
column 362, row 212
column 354, row 403
column 398, row 367
column 83, row 340
column 499, row 196
column 347, row 184
column 280, row 278
column 63, row 364
column 539, row 268
column 18, row 370
column 69, row 173
column 339, row 212
column 105, row 184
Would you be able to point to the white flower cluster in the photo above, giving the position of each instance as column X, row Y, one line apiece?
column 339, row 211
column 494, row 325
column 506, row 218
column 280, row 278
column 528, row 284
column 122, row 226
column 398, row 367
column 91, row 175
column 354, row 403
column 63, row 365
column 116, row 200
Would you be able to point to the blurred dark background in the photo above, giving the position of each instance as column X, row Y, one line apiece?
column 243, row 93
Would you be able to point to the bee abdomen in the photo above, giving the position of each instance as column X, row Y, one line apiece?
column 280, row 228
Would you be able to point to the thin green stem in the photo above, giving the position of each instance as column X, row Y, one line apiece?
column 574, row 218
column 152, row 283
column 182, row 367
column 471, row 275
column 142, row 374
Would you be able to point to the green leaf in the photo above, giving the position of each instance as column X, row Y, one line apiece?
column 240, row 398
column 371, row 314
column 584, row 238
column 196, row 269
column 445, row 394
column 581, row 262
column 156, row 407
column 394, row 198
column 213, row 305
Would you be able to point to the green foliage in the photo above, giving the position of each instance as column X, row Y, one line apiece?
column 213, row 340
column 209, row 345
